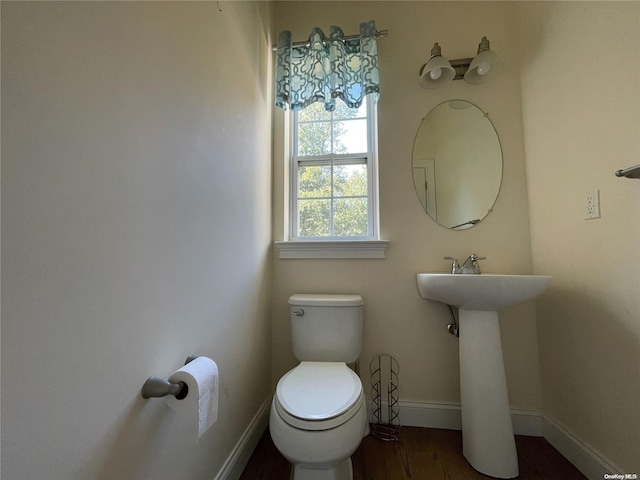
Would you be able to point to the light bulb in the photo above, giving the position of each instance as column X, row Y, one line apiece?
column 435, row 73
column 483, row 68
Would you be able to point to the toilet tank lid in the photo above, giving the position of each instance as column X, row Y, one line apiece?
column 325, row 299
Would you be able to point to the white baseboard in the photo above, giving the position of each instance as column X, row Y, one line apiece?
column 525, row 422
column 446, row 416
column 591, row 463
column 242, row 451
column 449, row 417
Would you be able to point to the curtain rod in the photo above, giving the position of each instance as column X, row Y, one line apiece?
column 379, row 33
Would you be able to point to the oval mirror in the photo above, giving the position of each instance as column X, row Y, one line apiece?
column 457, row 164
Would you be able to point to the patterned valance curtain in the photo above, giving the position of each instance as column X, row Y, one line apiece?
column 326, row 69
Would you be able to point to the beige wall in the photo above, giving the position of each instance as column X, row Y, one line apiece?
column 581, row 110
column 397, row 320
column 136, row 191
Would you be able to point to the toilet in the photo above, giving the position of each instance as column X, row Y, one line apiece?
column 318, row 414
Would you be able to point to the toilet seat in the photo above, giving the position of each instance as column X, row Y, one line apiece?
column 318, row 395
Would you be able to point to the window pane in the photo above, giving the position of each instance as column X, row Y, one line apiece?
column 350, row 217
column 315, row 111
column 350, row 180
column 315, row 218
column 331, row 163
column 350, row 136
column 342, row 111
column 314, row 181
column 314, row 138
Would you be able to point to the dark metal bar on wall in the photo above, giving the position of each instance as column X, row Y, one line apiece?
column 379, row 34
column 631, row 172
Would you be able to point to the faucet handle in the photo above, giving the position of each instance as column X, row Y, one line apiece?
column 471, row 264
column 455, row 266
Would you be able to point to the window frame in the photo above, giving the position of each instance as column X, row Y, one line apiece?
column 370, row 158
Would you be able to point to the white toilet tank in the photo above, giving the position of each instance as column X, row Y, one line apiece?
column 326, row 328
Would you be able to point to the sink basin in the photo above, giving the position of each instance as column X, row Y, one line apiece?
column 487, row 431
column 486, row 292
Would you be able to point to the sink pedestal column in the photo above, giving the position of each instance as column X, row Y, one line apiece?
column 487, row 432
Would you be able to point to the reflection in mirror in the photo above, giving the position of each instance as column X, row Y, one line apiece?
column 457, row 164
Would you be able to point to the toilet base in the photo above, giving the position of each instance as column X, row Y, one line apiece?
column 340, row 471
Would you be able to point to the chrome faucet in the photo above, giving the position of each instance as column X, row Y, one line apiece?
column 455, row 266
column 469, row 267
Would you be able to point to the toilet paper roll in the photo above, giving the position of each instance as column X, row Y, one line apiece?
column 201, row 378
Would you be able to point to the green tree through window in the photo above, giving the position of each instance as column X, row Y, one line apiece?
column 332, row 178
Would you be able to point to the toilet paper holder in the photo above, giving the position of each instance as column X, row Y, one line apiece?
column 159, row 387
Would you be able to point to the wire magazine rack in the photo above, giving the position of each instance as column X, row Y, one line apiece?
column 383, row 370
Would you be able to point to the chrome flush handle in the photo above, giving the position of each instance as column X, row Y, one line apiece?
column 299, row 312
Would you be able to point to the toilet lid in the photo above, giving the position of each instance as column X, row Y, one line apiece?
column 318, row 390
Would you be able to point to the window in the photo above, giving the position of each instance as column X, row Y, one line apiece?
column 333, row 191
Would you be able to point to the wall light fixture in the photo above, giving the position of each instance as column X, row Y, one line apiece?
column 438, row 71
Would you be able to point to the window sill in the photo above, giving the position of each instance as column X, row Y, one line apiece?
column 332, row 250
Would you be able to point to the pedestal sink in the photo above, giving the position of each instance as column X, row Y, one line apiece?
column 487, row 433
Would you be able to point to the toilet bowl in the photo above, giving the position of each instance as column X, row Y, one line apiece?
column 318, row 414
column 318, row 418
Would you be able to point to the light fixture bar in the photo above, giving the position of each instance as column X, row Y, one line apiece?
column 461, row 65
column 438, row 71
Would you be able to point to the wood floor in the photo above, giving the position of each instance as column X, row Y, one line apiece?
column 422, row 454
